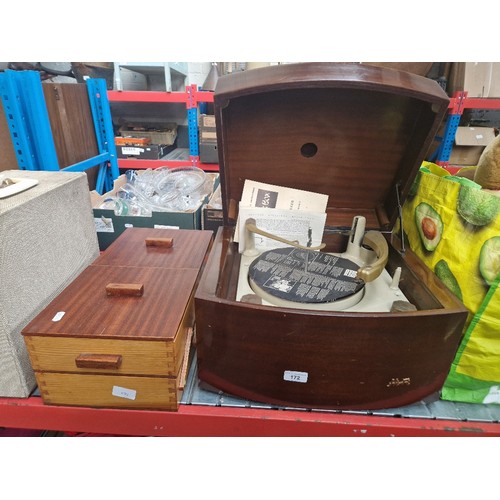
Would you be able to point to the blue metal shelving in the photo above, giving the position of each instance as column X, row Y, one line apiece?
column 29, row 125
column 192, row 118
column 28, row 120
column 442, row 155
column 99, row 105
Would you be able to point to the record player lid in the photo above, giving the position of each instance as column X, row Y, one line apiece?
column 355, row 132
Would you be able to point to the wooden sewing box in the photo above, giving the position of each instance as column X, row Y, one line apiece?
column 358, row 134
column 119, row 335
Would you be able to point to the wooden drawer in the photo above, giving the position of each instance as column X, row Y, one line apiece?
column 115, row 390
column 133, row 357
column 91, row 386
column 112, row 391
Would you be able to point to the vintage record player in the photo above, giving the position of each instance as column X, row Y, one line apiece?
column 388, row 334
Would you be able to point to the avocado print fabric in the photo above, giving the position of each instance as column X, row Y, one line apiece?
column 455, row 229
column 475, row 373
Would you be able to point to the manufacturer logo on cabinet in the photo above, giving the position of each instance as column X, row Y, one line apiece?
column 396, row 382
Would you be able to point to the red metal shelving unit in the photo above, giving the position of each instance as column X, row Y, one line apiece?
column 204, row 412
column 458, row 103
column 191, row 98
column 199, row 420
column 209, row 420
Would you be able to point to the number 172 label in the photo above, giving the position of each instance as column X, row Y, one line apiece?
column 293, row 376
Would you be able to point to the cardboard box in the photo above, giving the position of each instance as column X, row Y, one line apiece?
column 208, row 135
column 208, row 139
column 479, row 79
column 209, row 152
column 469, row 145
column 150, row 152
column 164, row 133
column 212, row 212
column 207, row 121
column 109, row 225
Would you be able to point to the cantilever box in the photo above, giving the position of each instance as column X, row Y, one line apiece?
column 358, row 134
column 119, row 335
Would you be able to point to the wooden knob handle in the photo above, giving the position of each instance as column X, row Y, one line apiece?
column 160, row 242
column 112, row 361
column 128, row 289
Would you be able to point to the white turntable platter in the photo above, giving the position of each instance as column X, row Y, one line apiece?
column 296, row 277
column 292, row 277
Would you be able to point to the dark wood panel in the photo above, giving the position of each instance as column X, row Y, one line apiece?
column 355, row 133
column 72, row 124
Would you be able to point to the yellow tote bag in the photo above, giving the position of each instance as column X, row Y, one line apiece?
column 455, row 230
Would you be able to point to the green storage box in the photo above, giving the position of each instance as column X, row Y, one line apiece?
column 109, row 225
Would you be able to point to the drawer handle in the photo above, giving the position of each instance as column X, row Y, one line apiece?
column 160, row 242
column 129, row 289
column 98, row 361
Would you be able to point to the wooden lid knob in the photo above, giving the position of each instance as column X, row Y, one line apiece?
column 125, row 289
column 160, row 242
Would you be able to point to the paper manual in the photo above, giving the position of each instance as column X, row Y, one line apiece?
column 286, row 212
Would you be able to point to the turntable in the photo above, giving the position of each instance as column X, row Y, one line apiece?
column 303, row 278
column 360, row 323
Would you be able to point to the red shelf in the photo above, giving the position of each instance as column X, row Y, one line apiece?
column 149, row 96
column 198, row 421
column 136, row 164
column 460, row 101
column 474, row 102
column 157, row 96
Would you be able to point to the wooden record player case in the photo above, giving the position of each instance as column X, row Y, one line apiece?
column 358, row 134
column 118, row 336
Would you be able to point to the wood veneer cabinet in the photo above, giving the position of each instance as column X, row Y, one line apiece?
column 357, row 134
column 119, row 335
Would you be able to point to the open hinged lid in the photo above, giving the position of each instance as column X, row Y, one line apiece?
column 355, row 133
